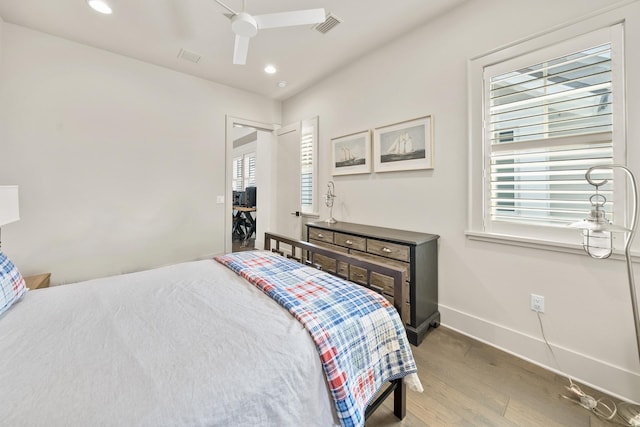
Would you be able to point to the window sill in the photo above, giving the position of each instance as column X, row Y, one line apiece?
column 311, row 215
column 540, row 244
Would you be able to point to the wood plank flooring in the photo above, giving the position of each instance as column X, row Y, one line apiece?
column 468, row 383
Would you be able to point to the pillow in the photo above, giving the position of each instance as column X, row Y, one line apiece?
column 12, row 286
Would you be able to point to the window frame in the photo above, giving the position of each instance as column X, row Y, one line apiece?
column 535, row 50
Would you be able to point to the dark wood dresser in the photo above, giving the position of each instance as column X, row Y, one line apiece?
column 414, row 253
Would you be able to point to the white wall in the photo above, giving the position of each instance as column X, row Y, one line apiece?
column 484, row 288
column 118, row 161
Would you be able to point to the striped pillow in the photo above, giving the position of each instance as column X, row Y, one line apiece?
column 12, row 286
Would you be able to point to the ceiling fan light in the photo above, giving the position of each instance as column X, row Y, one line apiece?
column 100, row 6
column 270, row 69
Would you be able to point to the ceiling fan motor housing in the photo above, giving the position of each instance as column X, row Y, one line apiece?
column 244, row 25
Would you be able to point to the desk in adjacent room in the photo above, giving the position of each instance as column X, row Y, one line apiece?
column 242, row 216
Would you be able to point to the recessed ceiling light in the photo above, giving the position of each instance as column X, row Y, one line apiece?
column 282, row 83
column 270, row 69
column 100, row 6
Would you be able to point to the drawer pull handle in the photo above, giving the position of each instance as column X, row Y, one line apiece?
column 320, row 235
column 386, row 250
column 359, row 275
column 348, row 242
column 314, row 265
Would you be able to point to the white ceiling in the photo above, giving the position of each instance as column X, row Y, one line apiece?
column 155, row 30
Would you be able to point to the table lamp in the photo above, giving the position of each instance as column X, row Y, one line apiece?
column 9, row 206
column 328, row 201
column 596, row 231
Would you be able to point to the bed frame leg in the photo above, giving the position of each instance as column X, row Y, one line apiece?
column 400, row 400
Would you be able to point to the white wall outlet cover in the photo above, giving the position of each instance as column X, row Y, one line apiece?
column 537, row 303
column 219, row 199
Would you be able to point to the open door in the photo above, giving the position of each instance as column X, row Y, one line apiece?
column 287, row 218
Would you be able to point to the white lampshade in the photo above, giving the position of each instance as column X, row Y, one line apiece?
column 9, row 206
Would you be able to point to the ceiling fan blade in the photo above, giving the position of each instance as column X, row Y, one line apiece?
column 226, row 7
column 240, row 50
column 287, row 19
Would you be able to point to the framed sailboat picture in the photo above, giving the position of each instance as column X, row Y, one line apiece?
column 404, row 146
column 351, row 154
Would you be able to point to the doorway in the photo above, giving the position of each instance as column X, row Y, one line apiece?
column 248, row 183
column 244, row 188
column 286, row 170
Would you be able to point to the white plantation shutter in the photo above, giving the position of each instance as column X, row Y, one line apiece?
column 244, row 172
column 306, row 171
column 545, row 124
column 249, row 161
column 236, row 180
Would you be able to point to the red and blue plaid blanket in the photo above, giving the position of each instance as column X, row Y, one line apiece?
column 359, row 335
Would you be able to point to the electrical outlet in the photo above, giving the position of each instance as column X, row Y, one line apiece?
column 537, row 303
column 219, row 199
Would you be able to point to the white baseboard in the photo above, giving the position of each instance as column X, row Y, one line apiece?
column 612, row 380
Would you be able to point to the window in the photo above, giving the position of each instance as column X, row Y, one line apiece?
column 244, row 171
column 547, row 116
column 308, row 166
column 249, row 175
column 306, row 170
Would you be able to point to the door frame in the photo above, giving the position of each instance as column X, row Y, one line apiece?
column 230, row 122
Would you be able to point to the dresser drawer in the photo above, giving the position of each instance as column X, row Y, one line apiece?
column 389, row 250
column 349, row 241
column 358, row 275
column 403, row 266
column 379, row 282
column 329, row 264
column 386, row 283
column 323, row 235
column 406, row 313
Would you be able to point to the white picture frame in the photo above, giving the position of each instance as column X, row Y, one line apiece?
column 404, row 146
column 351, row 154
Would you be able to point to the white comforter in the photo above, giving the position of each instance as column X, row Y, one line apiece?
column 187, row 345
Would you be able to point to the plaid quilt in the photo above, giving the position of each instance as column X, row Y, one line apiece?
column 12, row 285
column 359, row 335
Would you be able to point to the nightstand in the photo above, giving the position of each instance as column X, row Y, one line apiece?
column 38, row 281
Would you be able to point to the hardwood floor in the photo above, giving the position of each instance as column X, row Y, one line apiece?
column 243, row 245
column 468, row 383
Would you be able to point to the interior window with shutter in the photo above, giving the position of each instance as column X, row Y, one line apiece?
column 549, row 115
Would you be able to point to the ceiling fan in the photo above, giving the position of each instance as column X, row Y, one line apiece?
column 246, row 26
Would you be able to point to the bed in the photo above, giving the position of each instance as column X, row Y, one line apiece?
column 193, row 344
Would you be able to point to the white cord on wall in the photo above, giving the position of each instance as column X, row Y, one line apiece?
column 604, row 407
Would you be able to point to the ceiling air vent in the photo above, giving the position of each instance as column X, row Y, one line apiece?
column 328, row 24
column 189, row 56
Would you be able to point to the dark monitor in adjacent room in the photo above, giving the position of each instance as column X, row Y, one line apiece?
column 238, row 198
column 250, row 197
